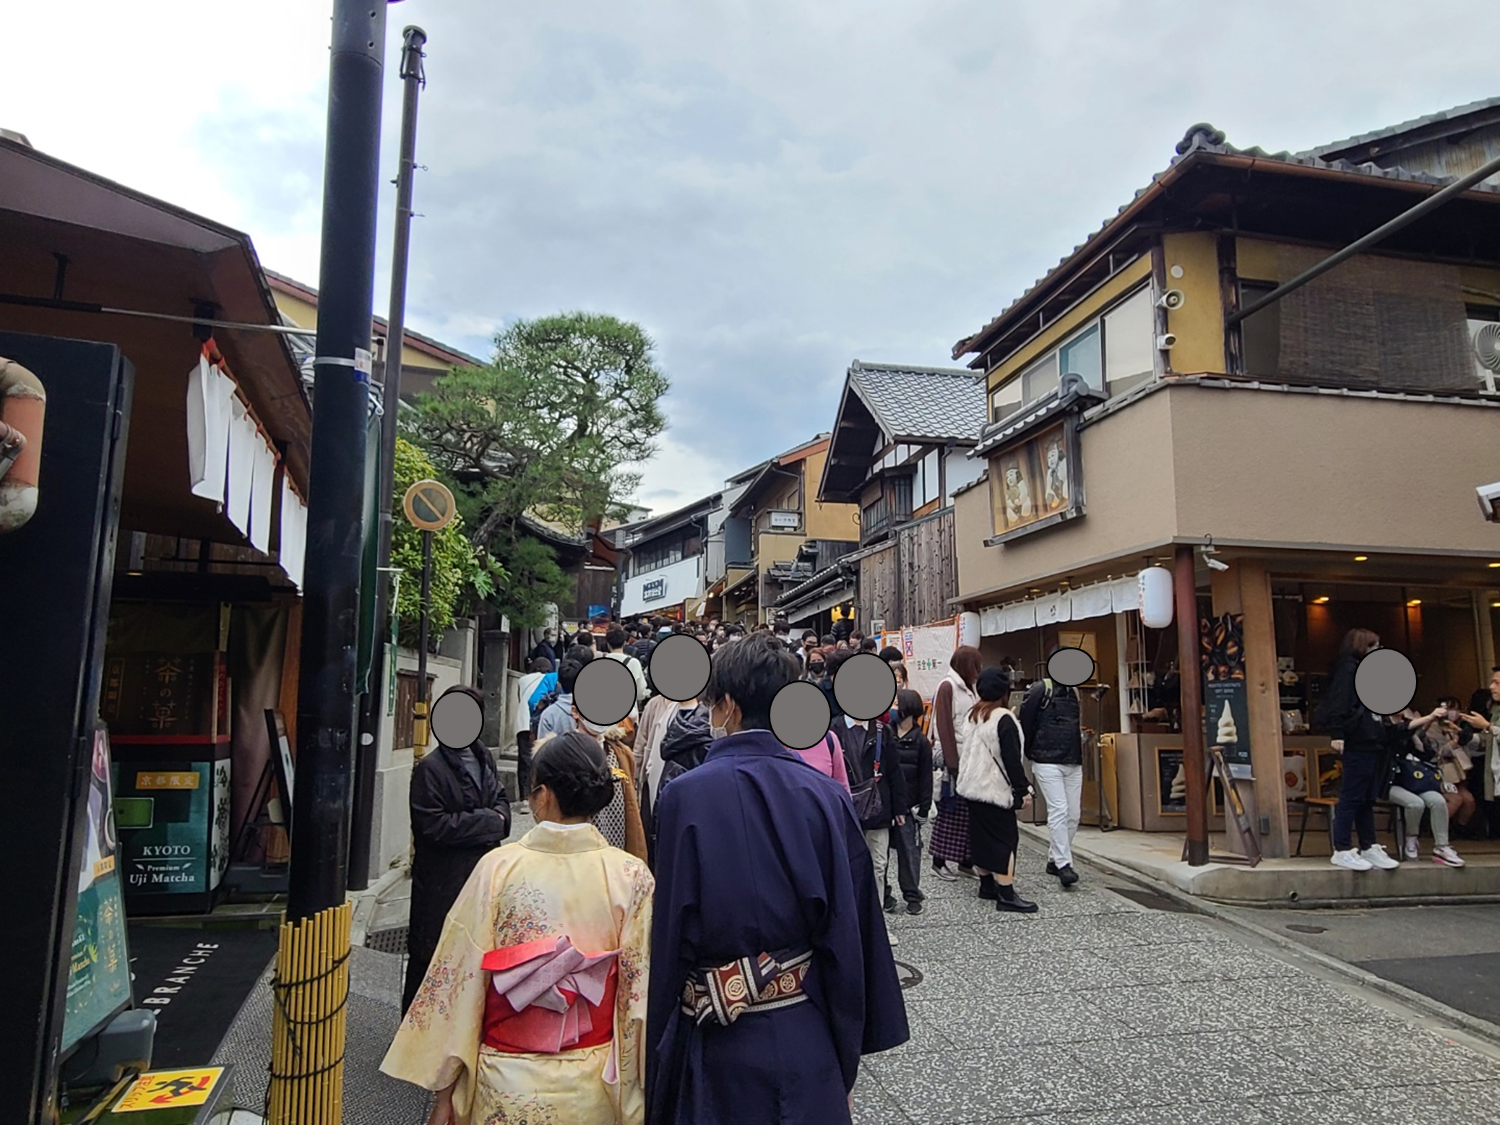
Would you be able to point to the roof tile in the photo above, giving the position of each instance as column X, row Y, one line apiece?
column 925, row 403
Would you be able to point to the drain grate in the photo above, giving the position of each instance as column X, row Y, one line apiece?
column 1153, row 901
column 387, row 941
column 909, row 975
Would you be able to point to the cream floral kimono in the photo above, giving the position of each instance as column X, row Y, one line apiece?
column 555, row 882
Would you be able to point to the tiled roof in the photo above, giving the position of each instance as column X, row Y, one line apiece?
column 1204, row 140
column 1404, row 127
column 923, row 403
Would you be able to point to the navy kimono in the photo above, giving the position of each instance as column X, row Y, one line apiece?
column 757, row 852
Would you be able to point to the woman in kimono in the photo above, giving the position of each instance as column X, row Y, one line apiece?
column 534, row 1006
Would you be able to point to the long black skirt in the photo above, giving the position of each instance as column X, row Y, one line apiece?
column 993, row 836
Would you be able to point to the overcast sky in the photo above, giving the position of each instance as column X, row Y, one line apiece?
column 771, row 188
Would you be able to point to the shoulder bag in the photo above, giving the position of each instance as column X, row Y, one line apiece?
column 868, row 794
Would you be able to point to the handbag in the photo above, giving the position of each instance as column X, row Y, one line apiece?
column 869, row 797
column 1417, row 777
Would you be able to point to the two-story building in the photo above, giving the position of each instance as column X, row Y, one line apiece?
column 897, row 454
column 780, row 532
column 664, row 561
column 1318, row 458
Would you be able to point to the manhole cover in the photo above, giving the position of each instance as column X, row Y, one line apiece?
column 387, row 941
column 1298, row 927
column 909, row 975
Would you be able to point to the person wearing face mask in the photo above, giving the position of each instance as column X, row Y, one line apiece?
column 817, row 666
column 771, row 974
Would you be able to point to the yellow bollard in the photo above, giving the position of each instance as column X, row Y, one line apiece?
column 311, row 989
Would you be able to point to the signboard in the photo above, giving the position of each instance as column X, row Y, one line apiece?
column 179, row 846
column 167, row 696
column 786, row 521
column 925, row 650
column 654, row 590
column 169, row 1089
column 99, row 967
column 1226, row 709
column 429, row 505
column 1034, row 483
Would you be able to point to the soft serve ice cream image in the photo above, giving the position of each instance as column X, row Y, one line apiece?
column 1227, row 734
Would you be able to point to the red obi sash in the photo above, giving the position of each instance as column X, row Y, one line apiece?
column 546, row 997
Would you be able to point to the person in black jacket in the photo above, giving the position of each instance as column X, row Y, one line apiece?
column 870, row 751
column 915, row 754
column 459, row 812
column 1052, row 721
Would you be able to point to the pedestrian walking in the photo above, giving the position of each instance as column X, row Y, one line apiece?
column 545, row 648
column 557, row 716
column 993, row 780
column 914, row 752
column 951, row 705
column 459, row 811
column 770, row 972
column 521, row 723
column 620, row 821
column 534, row 1006
column 684, row 739
column 827, row 757
column 874, row 765
column 1051, row 720
column 615, row 641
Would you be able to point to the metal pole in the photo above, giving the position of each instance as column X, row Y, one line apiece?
column 1194, row 763
column 346, row 287
column 424, row 705
column 1379, row 234
column 372, row 705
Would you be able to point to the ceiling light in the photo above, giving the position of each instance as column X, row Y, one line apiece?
column 1361, row 558
column 1414, row 602
column 1495, row 566
column 1321, row 601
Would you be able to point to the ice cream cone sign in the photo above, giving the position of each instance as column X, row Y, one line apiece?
column 1227, row 735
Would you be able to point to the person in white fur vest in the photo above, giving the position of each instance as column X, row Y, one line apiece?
column 993, row 781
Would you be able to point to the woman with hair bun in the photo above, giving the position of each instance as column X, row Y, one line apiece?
column 534, row 1006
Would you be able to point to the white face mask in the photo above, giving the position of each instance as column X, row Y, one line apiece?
column 714, row 728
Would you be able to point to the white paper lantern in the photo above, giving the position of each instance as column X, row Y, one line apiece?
column 1156, row 597
column 968, row 629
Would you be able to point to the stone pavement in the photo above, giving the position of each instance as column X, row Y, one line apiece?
column 1097, row 1011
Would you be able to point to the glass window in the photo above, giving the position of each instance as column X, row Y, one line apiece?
column 1261, row 333
column 1005, row 399
column 1082, row 356
column 1129, row 330
column 1039, row 378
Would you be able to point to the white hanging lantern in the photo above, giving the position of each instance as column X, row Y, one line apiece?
column 968, row 629
column 1156, row 597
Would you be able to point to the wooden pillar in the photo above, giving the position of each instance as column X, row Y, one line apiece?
column 1484, row 634
column 1263, row 699
column 1194, row 763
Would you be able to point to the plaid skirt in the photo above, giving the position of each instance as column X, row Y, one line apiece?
column 950, row 835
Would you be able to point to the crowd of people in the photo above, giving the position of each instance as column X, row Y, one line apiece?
column 694, row 931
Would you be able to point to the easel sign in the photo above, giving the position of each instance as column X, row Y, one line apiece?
column 281, row 759
column 1237, row 826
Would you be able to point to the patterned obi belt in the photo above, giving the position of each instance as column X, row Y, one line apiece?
column 750, row 984
column 548, row 997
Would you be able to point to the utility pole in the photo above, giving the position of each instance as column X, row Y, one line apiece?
column 312, row 973
column 1194, row 754
column 372, row 705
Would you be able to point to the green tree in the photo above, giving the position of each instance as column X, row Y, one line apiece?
column 549, row 430
column 457, row 568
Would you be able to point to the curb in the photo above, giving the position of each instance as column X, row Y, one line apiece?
column 1481, row 1028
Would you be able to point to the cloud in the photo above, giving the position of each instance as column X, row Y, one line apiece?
column 771, row 189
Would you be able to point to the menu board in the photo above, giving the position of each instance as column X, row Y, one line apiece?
column 99, row 966
column 1226, row 706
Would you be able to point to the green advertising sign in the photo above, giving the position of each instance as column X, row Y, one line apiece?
column 99, row 965
column 172, row 853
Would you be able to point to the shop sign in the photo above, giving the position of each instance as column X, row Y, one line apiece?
column 169, row 1089
column 1034, row 483
column 1225, row 699
column 183, row 846
column 786, row 521
column 99, row 966
column 654, row 590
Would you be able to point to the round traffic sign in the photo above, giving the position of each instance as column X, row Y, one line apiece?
column 429, row 505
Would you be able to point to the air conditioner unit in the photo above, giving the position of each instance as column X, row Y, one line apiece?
column 1485, row 338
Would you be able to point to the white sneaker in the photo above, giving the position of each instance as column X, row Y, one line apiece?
column 1375, row 856
column 1351, row 860
column 946, row 873
column 1447, row 856
column 1411, row 848
column 892, row 939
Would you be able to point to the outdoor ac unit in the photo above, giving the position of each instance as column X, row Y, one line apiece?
column 1486, row 342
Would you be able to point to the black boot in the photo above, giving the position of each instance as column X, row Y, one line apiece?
column 1010, row 901
column 988, row 888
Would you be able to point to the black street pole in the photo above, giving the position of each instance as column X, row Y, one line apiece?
column 341, row 399
column 372, row 704
column 424, row 705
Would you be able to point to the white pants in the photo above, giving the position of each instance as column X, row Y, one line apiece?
column 878, row 840
column 1062, row 789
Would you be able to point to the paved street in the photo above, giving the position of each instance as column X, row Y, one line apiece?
column 1098, row 1010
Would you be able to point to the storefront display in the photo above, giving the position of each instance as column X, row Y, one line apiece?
column 173, row 817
